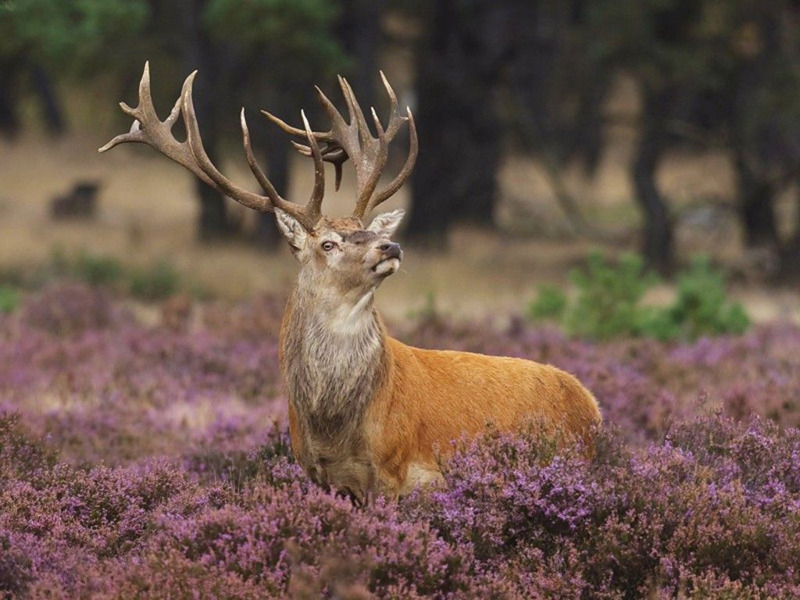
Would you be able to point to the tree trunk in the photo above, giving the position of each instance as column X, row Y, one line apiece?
column 756, row 193
column 360, row 31
column 790, row 255
column 9, row 118
column 51, row 105
column 456, row 175
column 756, row 208
column 657, row 232
column 214, row 222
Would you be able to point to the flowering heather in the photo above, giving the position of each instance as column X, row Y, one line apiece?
column 153, row 461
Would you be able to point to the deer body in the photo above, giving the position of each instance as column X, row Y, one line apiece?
column 367, row 413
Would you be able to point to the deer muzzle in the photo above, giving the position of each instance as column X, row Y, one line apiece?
column 391, row 250
column 390, row 257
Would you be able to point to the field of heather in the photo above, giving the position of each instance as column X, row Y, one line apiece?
column 149, row 458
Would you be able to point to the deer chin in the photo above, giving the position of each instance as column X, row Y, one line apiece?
column 386, row 267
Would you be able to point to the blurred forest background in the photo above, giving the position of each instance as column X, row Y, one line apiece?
column 664, row 127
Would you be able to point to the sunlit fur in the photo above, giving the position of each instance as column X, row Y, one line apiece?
column 368, row 413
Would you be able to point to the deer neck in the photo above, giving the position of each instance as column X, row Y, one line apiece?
column 333, row 350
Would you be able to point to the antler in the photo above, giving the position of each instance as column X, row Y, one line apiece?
column 354, row 140
column 148, row 129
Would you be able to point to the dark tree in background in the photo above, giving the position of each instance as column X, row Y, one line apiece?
column 459, row 63
column 720, row 71
column 359, row 29
column 657, row 43
column 198, row 52
column 657, row 230
column 765, row 127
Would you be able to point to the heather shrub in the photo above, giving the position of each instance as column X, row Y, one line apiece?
column 142, row 461
column 256, row 318
column 271, row 462
column 293, row 537
column 711, row 511
column 20, row 456
column 629, row 523
column 102, row 511
column 15, row 567
column 69, row 308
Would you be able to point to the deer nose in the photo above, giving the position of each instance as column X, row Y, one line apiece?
column 391, row 250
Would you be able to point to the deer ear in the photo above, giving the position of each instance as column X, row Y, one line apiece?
column 385, row 224
column 291, row 228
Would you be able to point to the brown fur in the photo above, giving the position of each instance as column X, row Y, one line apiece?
column 434, row 397
column 368, row 413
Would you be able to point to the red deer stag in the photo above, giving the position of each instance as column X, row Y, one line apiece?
column 367, row 413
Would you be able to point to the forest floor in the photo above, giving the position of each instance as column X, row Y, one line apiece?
column 147, row 214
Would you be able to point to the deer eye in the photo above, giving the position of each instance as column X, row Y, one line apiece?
column 328, row 246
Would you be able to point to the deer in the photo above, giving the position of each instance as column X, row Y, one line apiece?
column 368, row 414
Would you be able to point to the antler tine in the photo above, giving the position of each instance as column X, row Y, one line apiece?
column 378, row 162
column 321, row 136
column 355, row 112
column 408, row 167
column 314, row 206
column 341, row 131
column 346, row 140
column 331, row 153
column 395, row 119
column 148, row 129
column 352, row 139
column 255, row 168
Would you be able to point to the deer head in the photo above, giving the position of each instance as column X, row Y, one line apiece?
column 343, row 257
column 338, row 254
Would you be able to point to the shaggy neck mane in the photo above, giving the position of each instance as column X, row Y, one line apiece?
column 333, row 357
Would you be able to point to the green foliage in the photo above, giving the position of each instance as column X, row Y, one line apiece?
column 154, row 283
column 608, row 298
column 665, row 42
column 550, row 304
column 76, row 35
column 608, row 303
column 702, row 307
column 9, row 299
column 97, row 270
column 294, row 33
column 90, row 268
